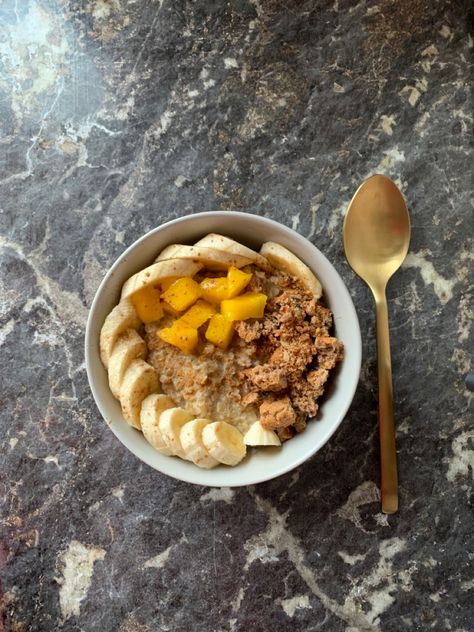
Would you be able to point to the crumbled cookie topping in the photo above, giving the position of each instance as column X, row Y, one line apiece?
column 295, row 352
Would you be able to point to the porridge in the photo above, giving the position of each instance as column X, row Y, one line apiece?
column 215, row 347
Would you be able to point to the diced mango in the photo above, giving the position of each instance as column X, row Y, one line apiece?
column 215, row 290
column 182, row 293
column 219, row 331
column 237, row 281
column 249, row 305
column 198, row 314
column 147, row 303
column 165, row 283
column 180, row 335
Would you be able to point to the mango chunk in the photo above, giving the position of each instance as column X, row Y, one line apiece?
column 219, row 331
column 237, row 281
column 180, row 335
column 147, row 304
column 249, row 305
column 165, row 283
column 215, row 290
column 182, row 293
column 198, row 314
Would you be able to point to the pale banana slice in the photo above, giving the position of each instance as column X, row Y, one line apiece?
column 129, row 346
column 122, row 317
column 171, row 422
column 191, row 442
column 220, row 242
column 139, row 381
column 158, row 272
column 170, row 252
column 285, row 260
column 210, row 257
column 224, row 442
column 152, row 407
column 258, row 435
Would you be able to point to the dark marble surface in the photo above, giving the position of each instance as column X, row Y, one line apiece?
column 116, row 116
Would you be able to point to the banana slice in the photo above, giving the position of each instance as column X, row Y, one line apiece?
column 158, row 272
column 171, row 422
column 152, row 407
column 129, row 346
column 122, row 317
column 285, row 260
column 170, row 252
column 210, row 257
column 139, row 381
column 224, row 442
column 220, row 242
column 191, row 442
column 258, row 435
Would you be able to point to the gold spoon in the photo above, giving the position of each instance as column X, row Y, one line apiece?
column 376, row 238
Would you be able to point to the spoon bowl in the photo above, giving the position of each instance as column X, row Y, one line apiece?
column 377, row 231
column 376, row 238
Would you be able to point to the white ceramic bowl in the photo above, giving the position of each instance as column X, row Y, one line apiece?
column 252, row 230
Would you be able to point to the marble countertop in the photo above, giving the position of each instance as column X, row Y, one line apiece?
column 117, row 116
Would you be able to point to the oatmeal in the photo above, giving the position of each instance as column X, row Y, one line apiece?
column 215, row 347
column 207, row 383
column 275, row 369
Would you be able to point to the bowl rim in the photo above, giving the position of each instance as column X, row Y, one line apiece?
column 350, row 388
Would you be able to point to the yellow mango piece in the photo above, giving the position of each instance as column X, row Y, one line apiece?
column 249, row 305
column 237, row 281
column 147, row 304
column 180, row 335
column 219, row 331
column 198, row 314
column 165, row 284
column 215, row 290
column 182, row 293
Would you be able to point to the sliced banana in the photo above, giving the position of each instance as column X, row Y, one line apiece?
column 258, row 435
column 152, row 407
column 129, row 346
column 191, row 442
column 170, row 252
column 224, row 442
column 285, row 260
column 139, row 381
column 220, row 242
column 171, row 422
column 210, row 257
column 122, row 317
column 158, row 272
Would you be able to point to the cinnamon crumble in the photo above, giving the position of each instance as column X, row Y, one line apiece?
column 295, row 352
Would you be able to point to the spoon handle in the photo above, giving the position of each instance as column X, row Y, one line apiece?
column 388, row 450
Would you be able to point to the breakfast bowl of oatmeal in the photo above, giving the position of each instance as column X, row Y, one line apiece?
column 223, row 349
